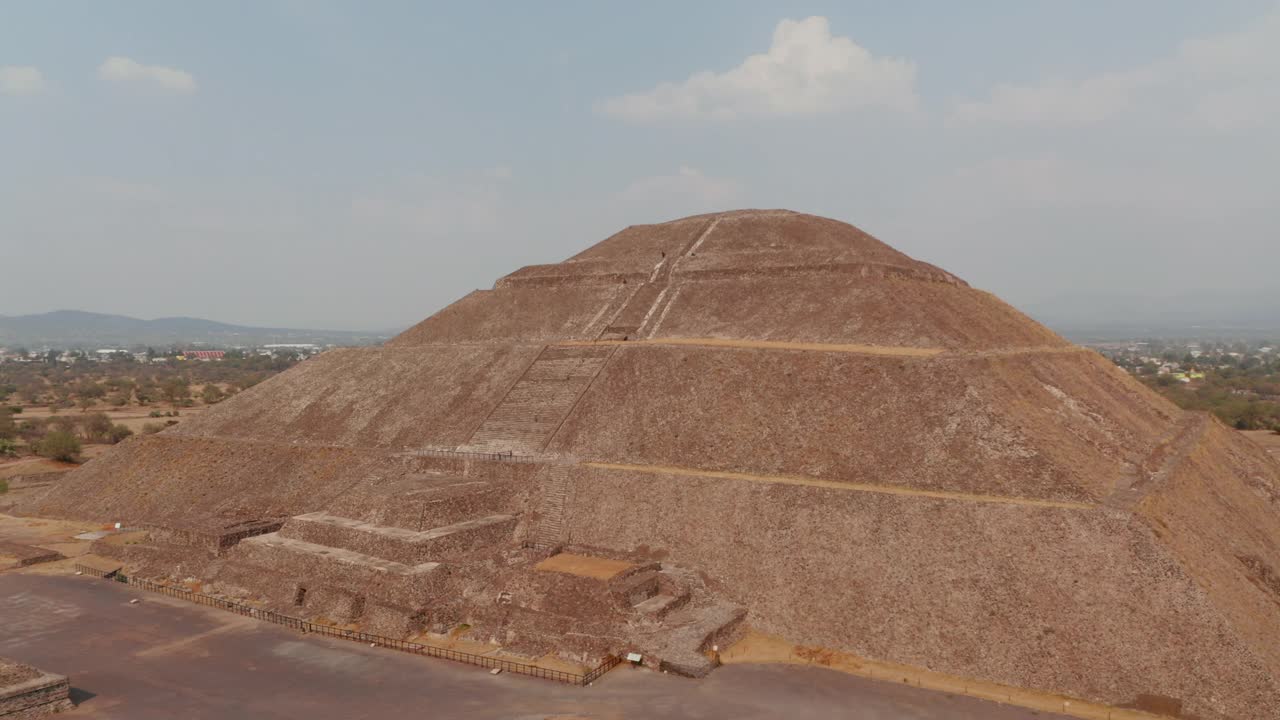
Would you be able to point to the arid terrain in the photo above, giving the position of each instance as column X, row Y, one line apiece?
column 1267, row 439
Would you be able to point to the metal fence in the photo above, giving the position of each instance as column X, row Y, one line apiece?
column 306, row 626
column 508, row 456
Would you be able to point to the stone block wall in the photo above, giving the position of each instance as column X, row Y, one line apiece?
column 1083, row 602
column 26, row 692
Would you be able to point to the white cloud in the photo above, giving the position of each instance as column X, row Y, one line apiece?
column 123, row 69
column 1222, row 82
column 20, row 80
column 806, row 71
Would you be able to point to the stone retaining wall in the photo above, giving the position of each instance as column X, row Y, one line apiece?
column 45, row 693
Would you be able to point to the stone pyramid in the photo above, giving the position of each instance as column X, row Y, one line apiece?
column 760, row 417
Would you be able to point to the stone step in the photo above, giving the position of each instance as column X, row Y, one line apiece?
column 619, row 332
column 690, row 632
column 561, row 370
column 658, row 606
column 525, row 419
column 639, row 310
column 400, row 544
column 580, row 352
column 551, row 509
column 637, row 587
column 326, row 554
column 289, row 572
column 424, row 500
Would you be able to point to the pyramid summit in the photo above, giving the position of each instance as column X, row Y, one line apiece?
column 756, row 419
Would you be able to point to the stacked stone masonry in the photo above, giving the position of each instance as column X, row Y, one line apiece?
column 792, row 425
column 26, row 692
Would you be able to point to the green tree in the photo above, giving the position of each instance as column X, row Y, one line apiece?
column 118, row 433
column 32, row 430
column 146, row 392
column 59, row 445
column 8, row 447
column 212, row 394
column 175, row 390
column 96, row 427
column 8, row 429
column 90, row 389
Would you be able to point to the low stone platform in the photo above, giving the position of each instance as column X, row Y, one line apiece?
column 24, row 555
column 400, row 544
column 290, row 573
column 423, row 500
column 213, row 536
column 682, row 645
column 341, row 556
column 27, row 692
column 584, row 565
column 657, row 606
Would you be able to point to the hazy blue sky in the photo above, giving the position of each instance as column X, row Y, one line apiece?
column 359, row 165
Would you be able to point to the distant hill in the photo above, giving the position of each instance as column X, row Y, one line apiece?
column 1193, row 314
column 78, row 329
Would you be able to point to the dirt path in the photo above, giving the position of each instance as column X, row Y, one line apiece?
column 1169, row 455
column 838, row 485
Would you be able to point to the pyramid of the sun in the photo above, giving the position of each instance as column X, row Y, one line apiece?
column 857, row 447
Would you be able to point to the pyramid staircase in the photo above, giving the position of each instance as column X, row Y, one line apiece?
column 1161, row 464
column 550, row 531
column 646, row 307
column 638, row 313
column 531, row 412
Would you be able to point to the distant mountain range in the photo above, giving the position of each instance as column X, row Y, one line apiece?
column 77, row 329
column 1081, row 316
column 1084, row 316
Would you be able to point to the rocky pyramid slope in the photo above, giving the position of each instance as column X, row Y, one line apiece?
column 857, row 447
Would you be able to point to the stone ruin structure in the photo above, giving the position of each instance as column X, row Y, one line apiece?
column 758, row 417
column 27, row 692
